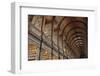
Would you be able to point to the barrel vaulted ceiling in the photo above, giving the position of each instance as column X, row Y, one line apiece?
column 63, row 37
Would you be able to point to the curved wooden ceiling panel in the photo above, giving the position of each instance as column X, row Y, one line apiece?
column 66, row 36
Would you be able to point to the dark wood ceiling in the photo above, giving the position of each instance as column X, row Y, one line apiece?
column 71, row 31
